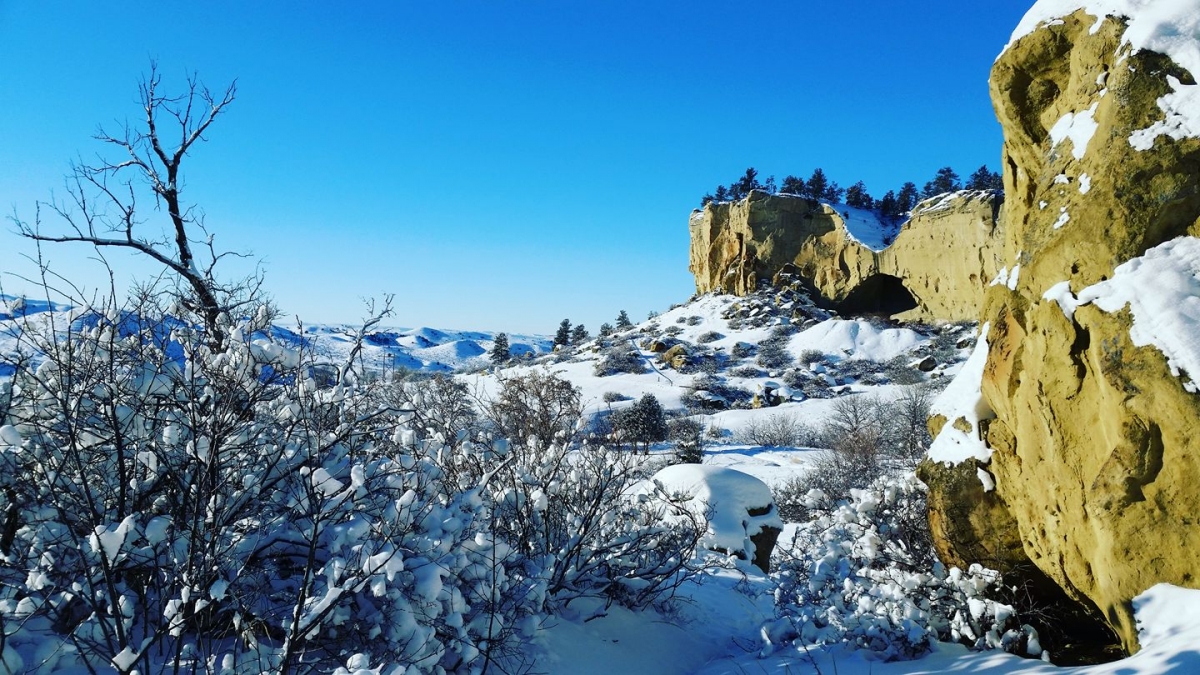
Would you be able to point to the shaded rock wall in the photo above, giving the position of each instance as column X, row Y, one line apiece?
column 944, row 255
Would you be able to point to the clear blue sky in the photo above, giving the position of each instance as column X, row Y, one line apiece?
column 496, row 165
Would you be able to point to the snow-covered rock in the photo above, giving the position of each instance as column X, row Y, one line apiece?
column 742, row 519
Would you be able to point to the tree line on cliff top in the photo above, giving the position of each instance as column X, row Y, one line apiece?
column 892, row 206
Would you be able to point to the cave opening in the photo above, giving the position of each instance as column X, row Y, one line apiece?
column 878, row 294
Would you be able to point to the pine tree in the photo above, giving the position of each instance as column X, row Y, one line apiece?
column 722, row 194
column 642, row 423
column 748, row 182
column 500, row 352
column 579, row 334
column 856, row 196
column 888, row 208
column 833, row 193
column 906, row 199
column 985, row 179
column 769, row 185
column 623, row 321
column 793, row 186
column 945, row 181
column 563, row 336
column 817, row 184
column 606, row 329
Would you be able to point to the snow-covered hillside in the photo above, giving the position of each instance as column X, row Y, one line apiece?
column 725, row 384
column 385, row 349
column 720, row 626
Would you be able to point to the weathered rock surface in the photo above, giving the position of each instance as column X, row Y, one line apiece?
column 937, row 267
column 1095, row 451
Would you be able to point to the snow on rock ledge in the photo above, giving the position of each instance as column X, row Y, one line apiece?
column 962, row 404
column 743, row 520
column 1170, row 27
column 1162, row 290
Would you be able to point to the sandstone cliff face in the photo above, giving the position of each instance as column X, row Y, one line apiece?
column 1094, row 447
column 735, row 244
column 938, row 266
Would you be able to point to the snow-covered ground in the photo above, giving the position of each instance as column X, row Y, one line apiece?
column 716, row 626
column 715, row 631
column 714, row 324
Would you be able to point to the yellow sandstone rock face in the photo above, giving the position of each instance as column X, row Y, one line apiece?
column 938, row 267
column 1096, row 446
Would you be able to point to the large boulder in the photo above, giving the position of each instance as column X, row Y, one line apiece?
column 742, row 518
column 937, row 267
column 1079, row 454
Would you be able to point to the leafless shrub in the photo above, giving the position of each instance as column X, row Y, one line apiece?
column 538, row 405
column 778, row 430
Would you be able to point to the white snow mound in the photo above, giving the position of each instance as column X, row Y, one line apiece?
column 856, row 339
column 727, row 496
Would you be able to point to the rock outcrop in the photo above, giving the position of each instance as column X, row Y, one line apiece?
column 1093, row 443
column 937, row 267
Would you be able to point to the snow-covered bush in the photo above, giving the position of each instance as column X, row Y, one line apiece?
column 749, row 372
column 778, row 430
column 862, row 572
column 441, row 407
column 773, row 353
column 177, row 504
column 715, row 386
column 899, row 370
column 621, row 357
column 688, row 435
column 856, row 369
column 538, row 405
column 709, row 336
column 742, row 350
column 171, row 504
column 866, row 438
column 565, row 520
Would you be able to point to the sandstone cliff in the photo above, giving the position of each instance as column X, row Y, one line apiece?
column 1088, row 434
column 937, row 267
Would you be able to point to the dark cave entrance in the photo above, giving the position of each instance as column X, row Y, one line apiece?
column 879, row 294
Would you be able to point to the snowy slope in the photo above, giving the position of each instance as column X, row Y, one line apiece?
column 385, row 348
column 716, row 324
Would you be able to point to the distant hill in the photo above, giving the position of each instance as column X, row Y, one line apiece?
column 387, row 348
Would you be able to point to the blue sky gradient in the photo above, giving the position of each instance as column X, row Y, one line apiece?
column 498, row 165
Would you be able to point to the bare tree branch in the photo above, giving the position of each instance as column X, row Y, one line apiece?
column 113, row 221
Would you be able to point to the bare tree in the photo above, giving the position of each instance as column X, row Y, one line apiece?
column 102, row 205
